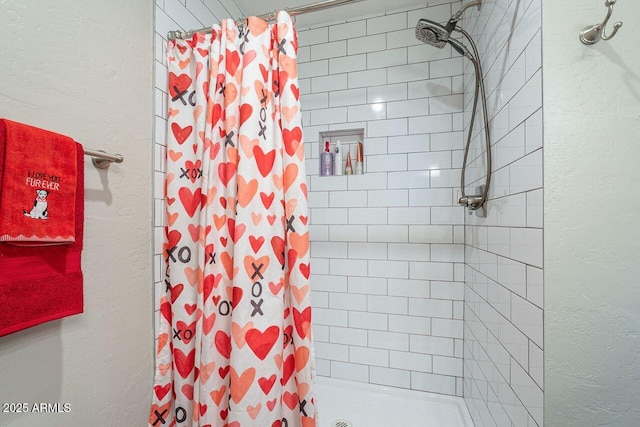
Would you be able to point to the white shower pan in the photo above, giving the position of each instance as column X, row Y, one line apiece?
column 351, row 404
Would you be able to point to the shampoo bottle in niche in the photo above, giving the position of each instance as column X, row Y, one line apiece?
column 326, row 161
column 360, row 159
column 347, row 169
column 337, row 159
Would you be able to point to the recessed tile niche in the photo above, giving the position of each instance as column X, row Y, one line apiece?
column 349, row 139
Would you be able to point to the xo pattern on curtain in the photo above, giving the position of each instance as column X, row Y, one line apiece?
column 234, row 342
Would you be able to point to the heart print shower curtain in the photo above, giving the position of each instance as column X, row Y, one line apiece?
column 234, row 342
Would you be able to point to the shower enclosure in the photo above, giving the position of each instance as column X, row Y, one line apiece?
column 408, row 291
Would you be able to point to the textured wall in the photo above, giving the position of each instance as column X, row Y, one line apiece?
column 84, row 69
column 503, row 252
column 386, row 246
column 592, row 241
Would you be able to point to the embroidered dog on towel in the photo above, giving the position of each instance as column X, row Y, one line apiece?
column 39, row 210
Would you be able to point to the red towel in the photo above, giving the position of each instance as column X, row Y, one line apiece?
column 39, row 284
column 38, row 185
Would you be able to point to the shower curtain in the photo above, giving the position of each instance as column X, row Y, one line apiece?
column 234, row 344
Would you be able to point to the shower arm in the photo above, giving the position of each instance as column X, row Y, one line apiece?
column 476, row 202
column 456, row 16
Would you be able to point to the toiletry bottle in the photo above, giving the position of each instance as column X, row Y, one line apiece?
column 337, row 159
column 326, row 161
column 360, row 159
column 347, row 169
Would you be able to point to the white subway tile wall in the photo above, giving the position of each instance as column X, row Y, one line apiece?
column 503, row 346
column 389, row 308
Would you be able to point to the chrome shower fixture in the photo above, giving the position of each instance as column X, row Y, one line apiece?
column 439, row 35
column 432, row 33
column 456, row 16
column 436, row 35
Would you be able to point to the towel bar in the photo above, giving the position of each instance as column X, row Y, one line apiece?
column 102, row 160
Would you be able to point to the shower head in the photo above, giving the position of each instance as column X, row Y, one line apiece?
column 437, row 35
column 432, row 33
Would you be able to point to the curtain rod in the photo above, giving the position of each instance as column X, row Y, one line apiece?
column 327, row 4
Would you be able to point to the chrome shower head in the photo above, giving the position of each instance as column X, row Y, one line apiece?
column 437, row 35
column 432, row 33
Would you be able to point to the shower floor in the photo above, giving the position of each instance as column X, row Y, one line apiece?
column 366, row 405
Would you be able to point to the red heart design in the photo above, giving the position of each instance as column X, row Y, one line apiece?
column 267, row 384
column 283, row 77
column 161, row 391
column 178, row 84
column 248, row 57
column 214, row 149
column 237, row 296
column 172, row 238
column 231, row 226
column 302, row 321
column 207, row 323
column 223, row 240
column 295, row 90
column 190, row 308
column 238, row 232
column 176, row 290
column 223, row 344
column 265, row 73
column 245, row 112
column 181, row 133
column 223, row 202
column 210, row 282
column 224, row 413
column 165, row 310
column 203, row 409
column 275, row 287
column 292, row 139
column 292, row 255
column 194, row 232
column 267, row 199
column 304, row 219
column 256, row 243
column 217, row 395
column 190, row 201
column 271, row 219
column 305, row 270
column 276, row 423
column 217, row 113
column 226, row 171
column 264, row 161
column 184, row 363
column 240, row 384
column 233, row 60
column 193, row 169
column 261, row 343
column 223, row 371
column 187, row 390
column 183, row 327
column 277, row 243
column 290, row 399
